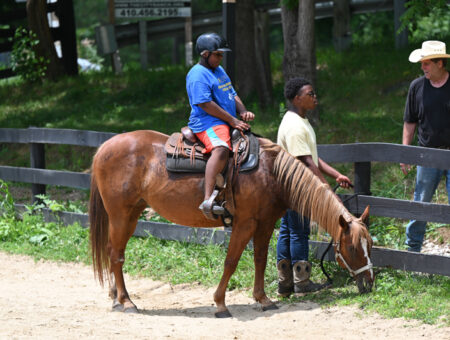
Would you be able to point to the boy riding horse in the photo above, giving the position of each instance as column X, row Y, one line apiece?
column 214, row 104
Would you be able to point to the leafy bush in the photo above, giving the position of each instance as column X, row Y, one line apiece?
column 6, row 201
column 25, row 62
column 434, row 26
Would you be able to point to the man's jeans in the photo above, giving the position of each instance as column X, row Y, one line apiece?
column 293, row 238
column 427, row 180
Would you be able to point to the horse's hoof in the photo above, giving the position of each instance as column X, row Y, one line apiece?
column 131, row 310
column 117, row 307
column 269, row 307
column 222, row 315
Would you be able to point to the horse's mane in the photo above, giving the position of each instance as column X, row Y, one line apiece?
column 307, row 195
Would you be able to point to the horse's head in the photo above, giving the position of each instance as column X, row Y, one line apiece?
column 352, row 250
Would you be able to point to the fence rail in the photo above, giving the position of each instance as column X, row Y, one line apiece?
column 361, row 154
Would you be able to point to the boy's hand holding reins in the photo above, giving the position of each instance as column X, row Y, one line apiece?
column 239, row 124
column 247, row 116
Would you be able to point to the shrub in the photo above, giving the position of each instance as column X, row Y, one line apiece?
column 25, row 62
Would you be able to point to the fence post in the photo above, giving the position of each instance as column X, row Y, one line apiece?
column 143, row 43
column 37, row 160
column 342, row 37
column 362, row 178
column 401, row 39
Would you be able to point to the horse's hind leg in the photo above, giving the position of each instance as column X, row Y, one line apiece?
column 261, row 241
column 121, row 228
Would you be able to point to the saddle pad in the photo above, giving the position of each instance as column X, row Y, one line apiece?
column 182, row 164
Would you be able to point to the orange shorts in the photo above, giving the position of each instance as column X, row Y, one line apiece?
column 215, row 136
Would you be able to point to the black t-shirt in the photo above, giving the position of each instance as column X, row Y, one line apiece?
column 429, row 107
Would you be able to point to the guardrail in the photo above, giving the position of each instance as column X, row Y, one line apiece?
column 361, row 154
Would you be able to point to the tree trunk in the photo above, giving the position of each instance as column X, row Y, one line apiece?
column 38, row 23
column 245, row 48
column 262, row 48
column 342, row 37
column 299, row 45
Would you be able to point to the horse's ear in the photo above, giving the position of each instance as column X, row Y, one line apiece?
column 365, row 216
column 343, row 223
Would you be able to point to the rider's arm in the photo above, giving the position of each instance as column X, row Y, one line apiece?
column 215, row 110
column 242, row 111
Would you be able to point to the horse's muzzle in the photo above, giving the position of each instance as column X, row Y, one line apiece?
column 364, row 282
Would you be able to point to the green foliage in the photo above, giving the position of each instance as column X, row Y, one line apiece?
column 6, row 201
column 434, row 26
column 25, row 62
column 371, row 28
column 418, row 9
column 28, row 233
column 54, row 206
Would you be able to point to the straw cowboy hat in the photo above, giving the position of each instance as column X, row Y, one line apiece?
column 430, row 49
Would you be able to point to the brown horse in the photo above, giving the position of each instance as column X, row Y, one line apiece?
column 128, row 174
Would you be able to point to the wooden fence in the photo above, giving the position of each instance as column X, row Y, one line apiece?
column 360, row 154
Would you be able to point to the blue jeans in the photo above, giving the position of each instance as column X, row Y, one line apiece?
column 293, row 238
column 427, row 180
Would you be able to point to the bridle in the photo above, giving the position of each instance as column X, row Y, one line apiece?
column 338, row 255
column 353, row 273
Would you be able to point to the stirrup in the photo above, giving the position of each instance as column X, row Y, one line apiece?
column 210, row 208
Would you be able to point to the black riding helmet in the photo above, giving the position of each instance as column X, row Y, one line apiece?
column 211, row 42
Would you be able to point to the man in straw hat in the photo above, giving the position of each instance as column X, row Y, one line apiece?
column 428, row 108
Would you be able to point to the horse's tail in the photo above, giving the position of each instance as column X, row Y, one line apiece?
column 98, row 219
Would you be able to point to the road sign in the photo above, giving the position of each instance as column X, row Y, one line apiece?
column 151, row 8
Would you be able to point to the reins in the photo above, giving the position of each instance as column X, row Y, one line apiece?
column 329, row 280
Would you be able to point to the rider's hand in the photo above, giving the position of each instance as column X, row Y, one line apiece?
column 247, row 116
column 344, row 181
column 405, row 168
column 239, row 124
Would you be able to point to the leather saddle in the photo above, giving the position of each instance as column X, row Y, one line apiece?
column 184, row 151
column 184, row 155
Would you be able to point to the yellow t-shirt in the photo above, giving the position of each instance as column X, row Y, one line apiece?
column 297, row 136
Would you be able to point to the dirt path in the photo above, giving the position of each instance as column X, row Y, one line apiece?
column 46, row 300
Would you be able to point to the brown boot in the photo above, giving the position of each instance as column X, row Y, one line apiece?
column 285, row 279
column 302, row 283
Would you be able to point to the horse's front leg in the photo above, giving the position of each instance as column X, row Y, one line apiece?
column 261, row 241
column 240, row 236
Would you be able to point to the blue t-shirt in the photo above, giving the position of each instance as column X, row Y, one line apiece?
column 204, row 85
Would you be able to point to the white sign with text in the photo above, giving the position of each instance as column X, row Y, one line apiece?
column 151, row 8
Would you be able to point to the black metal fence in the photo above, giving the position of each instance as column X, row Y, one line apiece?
column 360, row 154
